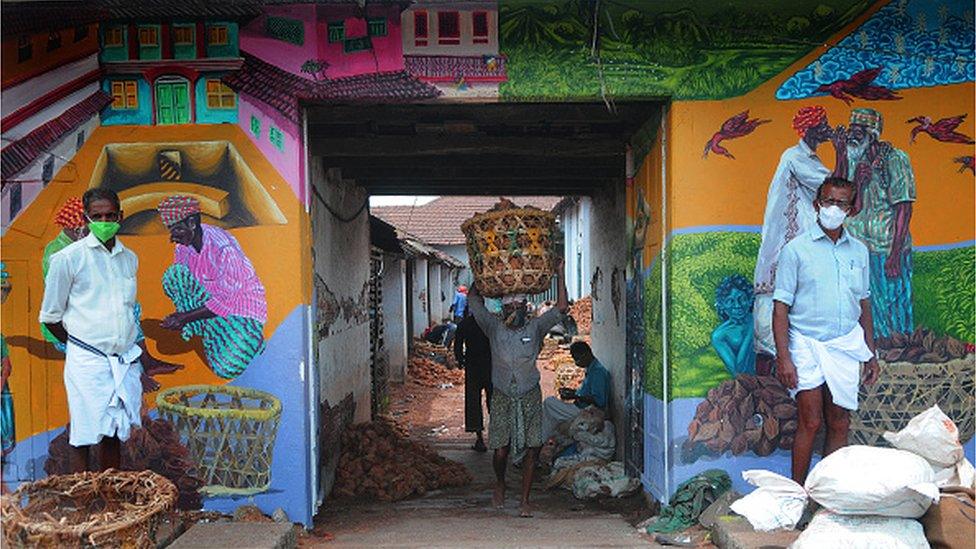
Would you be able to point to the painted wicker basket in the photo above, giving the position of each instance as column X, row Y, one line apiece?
column 229, row 431
column 904, row 390
column 107, row 509
column 511, row 251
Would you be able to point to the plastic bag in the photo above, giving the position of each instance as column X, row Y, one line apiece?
column 933, row 435
column 861, row 532
column 856, row 480
column 603, row 480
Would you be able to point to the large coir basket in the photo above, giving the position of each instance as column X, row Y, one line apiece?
column 229, row 431
column 107, row 509
column 905, row 390
column 511, row 251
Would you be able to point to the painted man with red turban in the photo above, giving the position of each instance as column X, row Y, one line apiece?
column 789, row 212
column 214, row 288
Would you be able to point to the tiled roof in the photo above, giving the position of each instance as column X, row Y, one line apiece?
column 141, row 9
column 283, row 90
column 439, row 222
column 31, row 17
column 19, row 154
column 440, row 68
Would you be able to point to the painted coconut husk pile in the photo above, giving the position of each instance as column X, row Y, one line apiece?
column 428, row 365
column 918, row 371
column 748, row 413
column 511, row 249
column 379, row 462
column 154, row 447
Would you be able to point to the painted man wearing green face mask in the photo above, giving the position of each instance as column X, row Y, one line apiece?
column 89, row 304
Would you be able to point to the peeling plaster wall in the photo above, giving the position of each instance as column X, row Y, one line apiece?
column 434, row 293
column 341, row 252
column 608, row 336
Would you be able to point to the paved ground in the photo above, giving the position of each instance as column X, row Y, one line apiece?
column 464, row 517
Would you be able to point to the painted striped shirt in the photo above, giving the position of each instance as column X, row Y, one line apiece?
column 892, row 181
column 226, row 273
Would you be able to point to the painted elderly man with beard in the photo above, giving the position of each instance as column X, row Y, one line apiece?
column 885, row 193
column 516, row 400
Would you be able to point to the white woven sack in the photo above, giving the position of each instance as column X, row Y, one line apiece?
column 861, row 532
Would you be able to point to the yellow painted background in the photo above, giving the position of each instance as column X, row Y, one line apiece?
column 278, row 253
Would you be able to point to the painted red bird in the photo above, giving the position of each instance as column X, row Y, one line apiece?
column 859, row 85
column 966, row 162
column 737, row 126
column 943, row 130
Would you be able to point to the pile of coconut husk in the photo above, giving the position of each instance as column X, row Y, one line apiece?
column 582, row 313
column 921, row 347
column 429, row 365
column 747, row 413
column 155, row 447
column 379, row 462
column 553, row 354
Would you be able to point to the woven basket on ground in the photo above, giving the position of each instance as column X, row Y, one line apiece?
column 511, row 251
column 229, row 431
column 108, row 509
column 904, row 390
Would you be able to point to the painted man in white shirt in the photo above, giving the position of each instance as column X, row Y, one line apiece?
column 789, row 212
column 89, row 302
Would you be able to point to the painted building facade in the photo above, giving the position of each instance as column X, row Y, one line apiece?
column 734, row 75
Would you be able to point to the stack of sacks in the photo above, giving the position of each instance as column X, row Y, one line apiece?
column 934, row 436
column 893, row 487
column 871, row 496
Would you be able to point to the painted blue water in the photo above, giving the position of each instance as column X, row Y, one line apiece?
column 917, row 43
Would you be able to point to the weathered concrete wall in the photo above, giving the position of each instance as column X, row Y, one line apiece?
column 418, row 293
column 575, row 221
column 395, row 315
column 434, row 292
column 607, row 231
column 341, row 252
column 460, row 252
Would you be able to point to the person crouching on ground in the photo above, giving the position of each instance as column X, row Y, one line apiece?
column 593, row 391
column 516, row 401
column 472, row 350
column 822, row 323
column 89, row 301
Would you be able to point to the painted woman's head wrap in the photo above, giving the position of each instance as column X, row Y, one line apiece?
column 71, row 215
column 174, row 209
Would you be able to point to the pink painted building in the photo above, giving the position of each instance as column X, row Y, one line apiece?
column 318, row 41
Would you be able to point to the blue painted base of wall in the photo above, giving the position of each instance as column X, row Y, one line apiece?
column 276, row 371
column 680, row 412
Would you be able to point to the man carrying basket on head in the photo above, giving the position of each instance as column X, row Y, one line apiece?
column 516, row 401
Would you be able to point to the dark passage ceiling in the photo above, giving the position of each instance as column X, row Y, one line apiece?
column 467, row 149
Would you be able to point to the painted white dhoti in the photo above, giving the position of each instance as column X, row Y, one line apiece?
column 104, row 393
column 836, row 362
column 554, row 412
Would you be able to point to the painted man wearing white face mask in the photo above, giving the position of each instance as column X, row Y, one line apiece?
column 822, row 323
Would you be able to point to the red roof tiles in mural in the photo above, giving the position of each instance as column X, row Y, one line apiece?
column 19, row 154
column 283, row 90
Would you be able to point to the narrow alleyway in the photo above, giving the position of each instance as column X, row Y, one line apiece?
column 464, row 517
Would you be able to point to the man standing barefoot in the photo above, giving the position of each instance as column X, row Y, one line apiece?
column 516, row 401
column 822, row 323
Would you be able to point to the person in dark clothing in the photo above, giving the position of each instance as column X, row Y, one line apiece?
column 473, row 353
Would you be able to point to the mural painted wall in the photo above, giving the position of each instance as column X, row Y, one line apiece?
column 216, row 223
column 766, row 150
column 202, row 114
